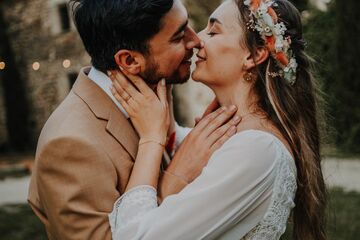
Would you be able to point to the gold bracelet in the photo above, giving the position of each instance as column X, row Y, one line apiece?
column 144, row 141
column 176, row 176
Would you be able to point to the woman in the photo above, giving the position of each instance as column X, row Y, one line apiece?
column 252, row 57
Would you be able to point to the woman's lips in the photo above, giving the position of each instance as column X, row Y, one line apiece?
column 200, row 59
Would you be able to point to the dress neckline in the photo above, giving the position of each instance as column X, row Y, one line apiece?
column 282, row 145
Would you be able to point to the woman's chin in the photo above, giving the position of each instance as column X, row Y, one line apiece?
column 197, row 75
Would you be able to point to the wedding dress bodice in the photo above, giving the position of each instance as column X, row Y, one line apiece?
column 249, row 196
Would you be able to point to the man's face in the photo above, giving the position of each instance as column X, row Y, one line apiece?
column 171, row 49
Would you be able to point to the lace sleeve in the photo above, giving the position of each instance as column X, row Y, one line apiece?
column 132, row 206
column 273, row 225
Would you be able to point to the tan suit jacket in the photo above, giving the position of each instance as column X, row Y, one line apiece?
column 84, row 158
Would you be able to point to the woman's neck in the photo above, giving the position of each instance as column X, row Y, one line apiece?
column 241, row 96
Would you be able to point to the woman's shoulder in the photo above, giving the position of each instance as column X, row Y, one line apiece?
column 255, row 148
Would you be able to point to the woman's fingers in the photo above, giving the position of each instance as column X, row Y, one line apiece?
column 221, row 131
column 121, row 80
column 211, row 108
column 161, row 91
column 139, row 83
column 219, row 120
column 219, row 142
column 205, row 121
column 122, row 101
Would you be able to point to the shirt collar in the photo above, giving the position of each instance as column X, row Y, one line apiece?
column 104, row 82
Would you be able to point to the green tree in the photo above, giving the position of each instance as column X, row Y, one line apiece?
column 346, row 88
column 301, row 4
column 200, row 10
column 333, row 37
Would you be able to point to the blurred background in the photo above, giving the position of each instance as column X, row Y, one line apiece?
column 41, row 55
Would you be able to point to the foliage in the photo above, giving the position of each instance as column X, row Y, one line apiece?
column 343, row 218
column 200, row 10
column 328, row 35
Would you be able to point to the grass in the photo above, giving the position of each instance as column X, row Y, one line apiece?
column 18, row 222
column 332, row 152
column 343, row 216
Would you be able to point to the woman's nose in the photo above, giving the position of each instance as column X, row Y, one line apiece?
column 202, row 35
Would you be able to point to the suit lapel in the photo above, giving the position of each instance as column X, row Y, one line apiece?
column 104, row 108
column 121, row 129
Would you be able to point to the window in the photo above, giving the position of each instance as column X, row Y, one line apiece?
column 64, row 17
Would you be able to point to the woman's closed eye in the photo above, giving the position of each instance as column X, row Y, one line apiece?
column 211, row 34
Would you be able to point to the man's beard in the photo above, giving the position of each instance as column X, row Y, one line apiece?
column 152, row 75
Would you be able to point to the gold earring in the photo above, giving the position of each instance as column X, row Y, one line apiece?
column 248, row 76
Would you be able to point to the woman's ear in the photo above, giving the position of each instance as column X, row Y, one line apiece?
column 131, row 61
column 260, row 56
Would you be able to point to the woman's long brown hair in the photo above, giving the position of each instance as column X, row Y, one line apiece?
column 294, row 109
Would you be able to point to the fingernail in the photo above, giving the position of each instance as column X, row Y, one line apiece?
column 232, row 108
column 109, row 73
column 232, row 130
column 236, row 119
column 121, row 68
column 163, row 82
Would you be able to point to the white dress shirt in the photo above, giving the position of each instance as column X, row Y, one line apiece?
column 104, row 82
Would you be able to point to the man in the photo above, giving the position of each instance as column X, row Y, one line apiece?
column 87, row 148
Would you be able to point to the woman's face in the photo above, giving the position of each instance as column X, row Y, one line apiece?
column 220, row 61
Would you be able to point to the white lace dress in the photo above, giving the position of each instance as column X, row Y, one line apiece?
column 246, row 191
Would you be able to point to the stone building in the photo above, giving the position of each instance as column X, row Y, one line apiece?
column 49, row 54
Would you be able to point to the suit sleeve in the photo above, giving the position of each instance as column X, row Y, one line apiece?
column 77, row 185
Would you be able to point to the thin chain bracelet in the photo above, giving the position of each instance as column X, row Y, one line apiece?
column 144, row 141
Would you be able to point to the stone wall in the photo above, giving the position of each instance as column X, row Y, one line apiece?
column 37, row 36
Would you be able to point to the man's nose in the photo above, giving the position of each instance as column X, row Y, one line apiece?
column 193, row 41
column 202, row 35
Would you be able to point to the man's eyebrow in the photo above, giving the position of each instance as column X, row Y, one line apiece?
column 181, row 28
column 213, row 20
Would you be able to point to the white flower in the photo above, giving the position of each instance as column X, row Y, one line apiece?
column 268, row 20
column 293, row 64
column 279, row 44
column 247, row 2
column 280, row 28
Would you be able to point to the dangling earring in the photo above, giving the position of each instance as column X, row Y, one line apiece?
column 249, row 76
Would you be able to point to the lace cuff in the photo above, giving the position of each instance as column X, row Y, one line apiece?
column 132, row 205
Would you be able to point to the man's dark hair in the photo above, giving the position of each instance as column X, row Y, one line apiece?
column 107, row 26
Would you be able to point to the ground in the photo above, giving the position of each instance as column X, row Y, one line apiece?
column 342, row 176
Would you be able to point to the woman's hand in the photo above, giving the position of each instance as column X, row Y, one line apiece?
column 214, row 105
column 208, row 136
column 149, row 112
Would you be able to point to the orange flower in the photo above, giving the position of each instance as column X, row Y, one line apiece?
column 282, row 58
column 270, row 43
column 255, row 4
column 273, row 14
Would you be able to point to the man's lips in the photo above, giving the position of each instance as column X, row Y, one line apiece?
column 200, row 58
column 187, row 58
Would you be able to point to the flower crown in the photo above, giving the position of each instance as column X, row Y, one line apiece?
column 265, row 20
